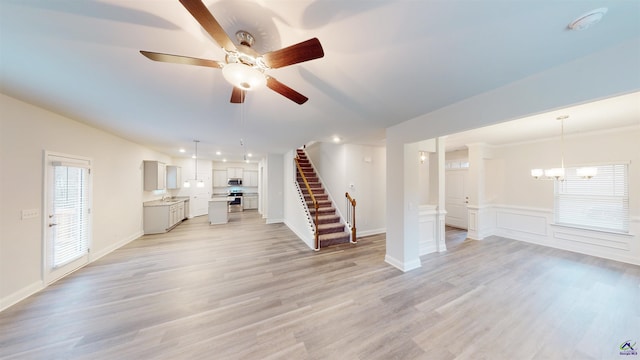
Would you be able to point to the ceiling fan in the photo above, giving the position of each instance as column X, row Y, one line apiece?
column 243, row 67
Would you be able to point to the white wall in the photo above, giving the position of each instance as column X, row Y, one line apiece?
column 274, row 186
column 610, row 73
column 340, row 166
column 25, row 132
column 522, row 207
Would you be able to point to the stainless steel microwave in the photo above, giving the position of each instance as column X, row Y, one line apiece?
column 234, row 182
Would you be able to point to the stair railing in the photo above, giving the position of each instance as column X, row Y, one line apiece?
column 315, row 204
column 351, row 215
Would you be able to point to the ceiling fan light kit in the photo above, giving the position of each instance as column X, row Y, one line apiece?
column 244, row 77
column 244, row 68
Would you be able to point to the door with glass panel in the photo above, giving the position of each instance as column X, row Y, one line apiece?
column 68, row 214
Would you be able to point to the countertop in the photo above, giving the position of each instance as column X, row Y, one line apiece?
column 166, row 202
column 221, row 198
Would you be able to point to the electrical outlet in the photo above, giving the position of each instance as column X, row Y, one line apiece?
column 30, row 213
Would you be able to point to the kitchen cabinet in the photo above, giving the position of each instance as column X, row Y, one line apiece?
column 162, row 216
column 219, row 178
column 174, row 177
column 250, row 178
column 218, row 210
column 235, row 173
column 250, row 202
column 155, row 174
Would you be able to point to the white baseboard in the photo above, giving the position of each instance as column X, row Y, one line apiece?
column 33, row 288
column 21, row 294
column 97, row 255
column 402, row 266
column 371, row 232
column 275, row 221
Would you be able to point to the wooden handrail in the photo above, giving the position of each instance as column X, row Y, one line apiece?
column 315, row 203
column 351, row 216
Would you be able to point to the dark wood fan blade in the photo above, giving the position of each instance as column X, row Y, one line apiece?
column 285, row 91
column 304, row 51
column 179, row 59
column 200, row 12
column 238, row 95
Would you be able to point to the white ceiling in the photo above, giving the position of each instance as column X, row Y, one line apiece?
column 385, row 62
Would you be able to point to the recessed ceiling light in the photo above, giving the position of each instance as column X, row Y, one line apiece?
column 588, row 19
column 224, row 160
column 249, row 154
column 182, row 150
column 336, row 139
column 193, row 156
column 218, row 153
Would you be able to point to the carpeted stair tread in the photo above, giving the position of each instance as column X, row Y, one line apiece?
column 329, row 218
column 334, row 239
column 322, row 210
column 330, row 228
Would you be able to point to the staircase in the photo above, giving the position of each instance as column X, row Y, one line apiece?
column 330, row 227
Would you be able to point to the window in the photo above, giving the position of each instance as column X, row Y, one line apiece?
column 456, row 164
column 600, row 203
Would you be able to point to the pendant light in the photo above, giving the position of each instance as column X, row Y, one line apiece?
column 559, row 173
column 199, row 183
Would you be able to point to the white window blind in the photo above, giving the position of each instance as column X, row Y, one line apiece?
column 71, row 213
column 600, row 203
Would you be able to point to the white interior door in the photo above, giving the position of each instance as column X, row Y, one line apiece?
column 200, row 196
column 456, row 198
column 67, row 223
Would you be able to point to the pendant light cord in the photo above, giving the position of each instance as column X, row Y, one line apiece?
column 562, row 142
column 196, row 159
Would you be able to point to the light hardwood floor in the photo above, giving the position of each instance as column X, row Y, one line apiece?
column 246, row 290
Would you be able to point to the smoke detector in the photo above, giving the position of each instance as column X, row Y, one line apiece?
column 588, row 19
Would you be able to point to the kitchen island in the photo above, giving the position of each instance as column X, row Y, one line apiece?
column 219, row 210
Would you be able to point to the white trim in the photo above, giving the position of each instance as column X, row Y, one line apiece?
column 608, row 232
column 479, row 207
column 528, row 227
column 523, row 208
column 569, row 136
column 371, row 232
column 610, row 243
column 37, row 286
column 402, row 266
column 275, row 221
column 114, row 247
column 21, row 294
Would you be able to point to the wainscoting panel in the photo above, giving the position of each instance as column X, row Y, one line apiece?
column 428, row 220
column 536, row 226
column 619, row 242
column 528, row 223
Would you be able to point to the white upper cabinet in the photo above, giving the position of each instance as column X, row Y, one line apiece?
column 174, row 177
column 235, row 173
column 154, row 175
column 250, row 178
column 219, row 178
